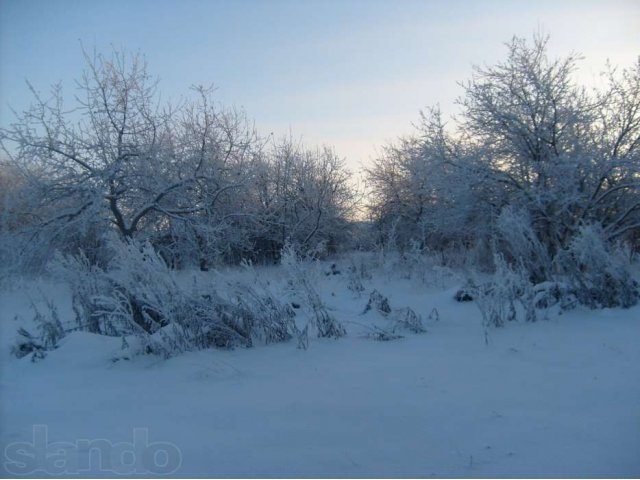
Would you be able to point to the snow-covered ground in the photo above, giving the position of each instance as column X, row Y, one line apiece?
column 556, row 398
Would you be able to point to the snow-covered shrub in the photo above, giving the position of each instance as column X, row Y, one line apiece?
column 416, row 262
column 364, row 262
column 381, row 334
column 87, row 282
column 49, row 332
column 597, row 271
column 130, row 296
column 434, row 315
column 355, row 285
column 138, row 294
column 298, row 277
column 497, row 299
column 50, row 327
column 27, row 344
column 549, row 294
column 467, row 293
column 358, row 271
column 206, row 321
column 326, row 324
column 269, row 319
column 303, row 337
column 389, row 257
column 419, row 263
column 213, row 314
column 522, row 244
column 396, row 319
column 407, row 319
column 144, row 284
column 354, row 279
column 378, row 302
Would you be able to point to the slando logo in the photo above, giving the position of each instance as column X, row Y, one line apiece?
column 97, row 455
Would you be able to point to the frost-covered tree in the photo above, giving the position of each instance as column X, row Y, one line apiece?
column 420, row 189
column 118, row 159
column 305, row 198
column 555, row 150
column 94, row 159
column 212, row 159
column 531, row 160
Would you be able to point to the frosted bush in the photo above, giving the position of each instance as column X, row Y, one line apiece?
column 354, row 278
column 546, row 295
column 378, row 302
column 523, row 245
column 597, row 271
column 49, row 331
column 396, row 319
column 420, row 264
column 407, row 319
column 381, row 335
column 358, row 271
column 497, row 299
column 467, row 292
column 87, row 283
column 269, row 319
column 138, row 294
column 298, row 275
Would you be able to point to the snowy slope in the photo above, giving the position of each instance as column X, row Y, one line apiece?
column 558, row 398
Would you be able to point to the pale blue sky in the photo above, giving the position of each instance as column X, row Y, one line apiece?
column 348, row 73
